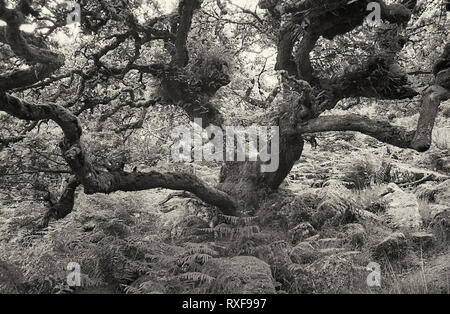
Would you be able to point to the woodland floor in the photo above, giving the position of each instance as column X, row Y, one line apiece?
column 317, row 235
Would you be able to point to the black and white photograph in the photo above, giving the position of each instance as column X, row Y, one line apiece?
column 224, row 155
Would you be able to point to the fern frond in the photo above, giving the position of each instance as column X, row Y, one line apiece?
column 200, row 250
column 232, row 220
column 194, row 258
column 196, row 277
column 131, row 290
column 219, row 231
column 295, row 268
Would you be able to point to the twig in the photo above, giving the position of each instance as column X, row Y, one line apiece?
column 424, row 179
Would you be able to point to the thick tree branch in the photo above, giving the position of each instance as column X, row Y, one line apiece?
column 419, row 140
column 431, row 100
column 64, row 205
column 381, row 130
column 304, row 67
column 25, row 78
column 25, row 111
column 186, row 11
column 330, row 18
column 285, row 59
column 98, row 181
column 123, row 181
column 48, row 60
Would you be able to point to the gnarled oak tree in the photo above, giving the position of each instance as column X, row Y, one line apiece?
column 124, row 49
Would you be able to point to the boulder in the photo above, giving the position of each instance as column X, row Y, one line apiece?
column 402, row 209
column 442, row 193
column 115, row 228
column 440, row 224
column 306, row 200
column 302, row 231
column 304, row 253
column 392, row 247
column 355, row 234
column 150, row 284
column 328, row 243
column 276, row 255
column 328, row 212
column 97, row 237
column 239, row 275
column 376, row 207
column 435, row 193
column 340, row 272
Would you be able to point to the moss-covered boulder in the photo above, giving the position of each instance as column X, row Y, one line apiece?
column 239, row 275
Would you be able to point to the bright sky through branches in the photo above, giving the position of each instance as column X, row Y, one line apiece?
column 166, row 5
column 169, row 5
